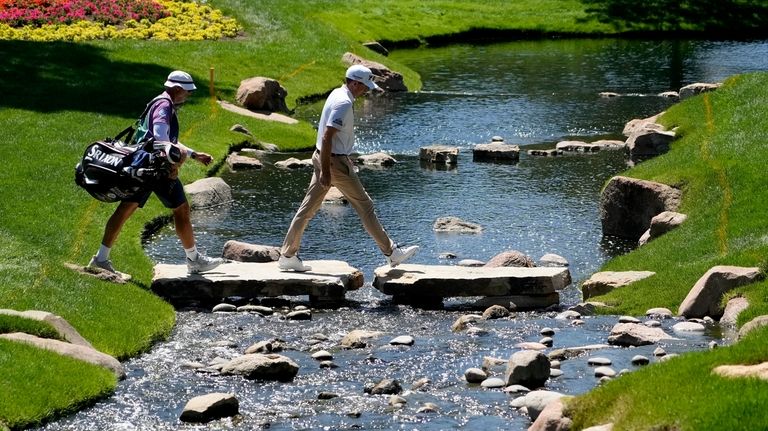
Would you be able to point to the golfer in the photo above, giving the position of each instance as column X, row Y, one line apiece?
column 332, row 167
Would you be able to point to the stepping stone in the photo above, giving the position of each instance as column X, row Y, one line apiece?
column 439, row 154
column 577, row 146
column 432, row 283
column 326, row 284
column 552, row 152
column 496, row 151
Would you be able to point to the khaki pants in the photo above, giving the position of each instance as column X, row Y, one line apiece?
column 344, row 178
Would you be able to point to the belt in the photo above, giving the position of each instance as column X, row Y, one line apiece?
column 335, row 154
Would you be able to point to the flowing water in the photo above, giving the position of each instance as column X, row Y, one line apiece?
column 532, row 93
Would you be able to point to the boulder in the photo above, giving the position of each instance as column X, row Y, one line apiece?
column 245, row 252
column 376, row 47
column 643, row 124
column 258, row 366
column 705, row 296
column 733, row 308
column 335, row 197
column 475, row 375
column 753, row 324
column 646, row 143
column 455, row 225
column 635, row 334
column 495, row 312
column 627, row 205
column 510, row 258
column 519, row 302
column 465, row 321
column 262, row 94
column 384, row 387
column 495, row 151
column 66, row 331
column 205, row 408
column 376, row 159
column 759, row 371
column 294, row 163
column 697, row 88
column 208, row 192
column 661, row 224
column 551, row 259
column 443, row 154
column 76, row 351
column 358, row 338
column 238, row 162
column 529, row 368
column 385, row 78
column 239, row 128
column 552, row 418
column 603, row 282
column 535, row 402
column 610, row 144
column 545, row 153
column 577, row 146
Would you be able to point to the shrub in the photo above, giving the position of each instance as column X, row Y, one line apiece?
column 181, row 20
column 19, row 13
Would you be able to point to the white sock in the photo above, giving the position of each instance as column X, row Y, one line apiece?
column 103, row 253
column 191, row 252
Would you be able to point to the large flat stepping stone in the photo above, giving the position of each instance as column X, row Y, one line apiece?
column 328, row 282
column 421, row 282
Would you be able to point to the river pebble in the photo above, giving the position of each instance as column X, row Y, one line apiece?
column 402, row 340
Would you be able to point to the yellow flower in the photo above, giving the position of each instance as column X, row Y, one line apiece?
column 188, row 20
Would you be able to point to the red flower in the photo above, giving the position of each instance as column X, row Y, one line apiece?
column 19, row 13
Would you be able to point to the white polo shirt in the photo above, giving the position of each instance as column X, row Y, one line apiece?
column 338, row 113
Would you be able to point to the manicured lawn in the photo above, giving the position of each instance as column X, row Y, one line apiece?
column 683, row 394
column 35, row 381
column 718, row 161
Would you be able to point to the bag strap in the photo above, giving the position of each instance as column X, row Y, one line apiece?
column 129, row 131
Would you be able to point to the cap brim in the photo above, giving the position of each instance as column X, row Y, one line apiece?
column 371, row 85
column 185, row 85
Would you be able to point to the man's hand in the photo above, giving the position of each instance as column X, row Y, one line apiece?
column 325, row 178
column 203, row 158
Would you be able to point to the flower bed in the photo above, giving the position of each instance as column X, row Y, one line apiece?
column 79, row 20
column 20, row 13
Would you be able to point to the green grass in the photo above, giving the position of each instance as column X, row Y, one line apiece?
column 682, row 394
column 38, row 384
column 718, row 161
column 10, row 324
column 394, row 20
column 58, row 97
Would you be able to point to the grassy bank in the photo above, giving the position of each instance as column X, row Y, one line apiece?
column 57, row 97
column 719, row 162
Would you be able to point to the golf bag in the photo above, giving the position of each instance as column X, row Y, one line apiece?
column 112, row 171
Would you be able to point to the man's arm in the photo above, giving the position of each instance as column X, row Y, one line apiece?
column 325, row 156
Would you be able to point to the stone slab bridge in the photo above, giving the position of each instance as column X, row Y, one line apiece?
column 513, row 287
column 329, row 280
column 326, row 284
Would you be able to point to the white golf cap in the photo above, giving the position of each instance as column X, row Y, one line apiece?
column 177, row 78
column 360, row 73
